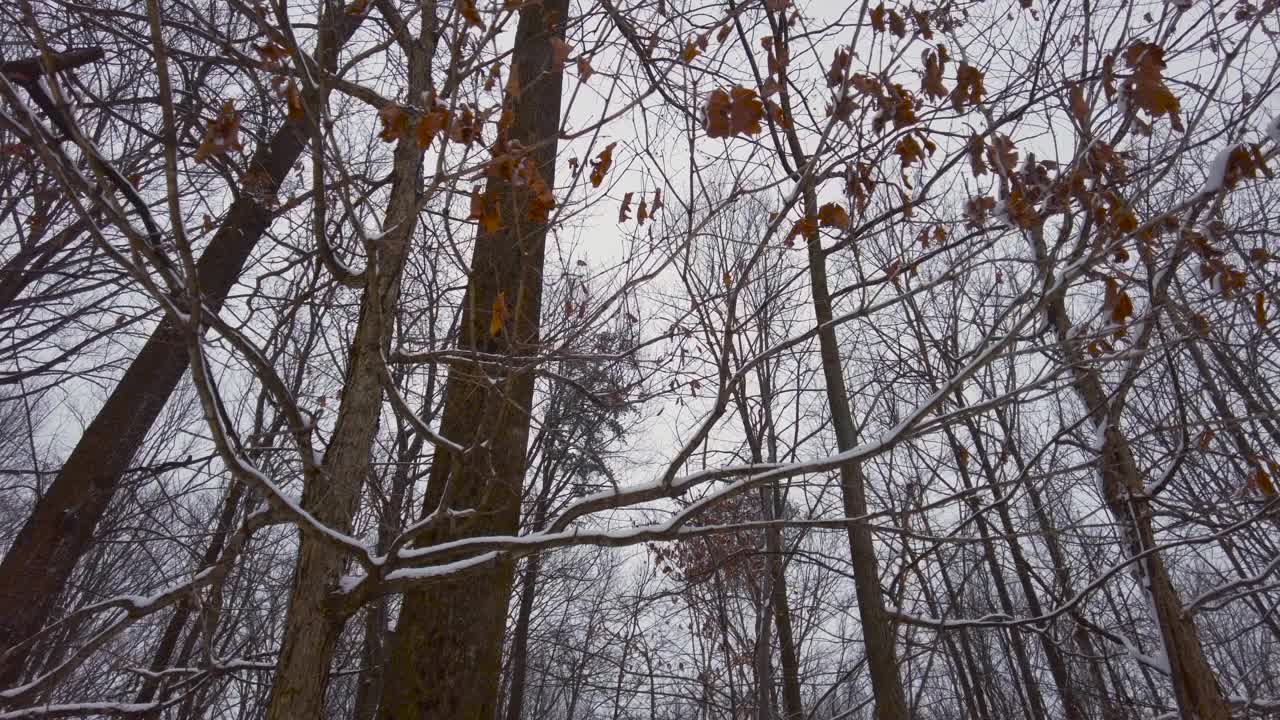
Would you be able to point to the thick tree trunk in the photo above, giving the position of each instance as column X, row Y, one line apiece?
column 446, row 651
column 61, row 527
column 311, row 631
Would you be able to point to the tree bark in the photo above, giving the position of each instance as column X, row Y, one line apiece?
column 311, row 630
column 877, row 628
column 446, row 651
column 61, row 526
column 1195, row 686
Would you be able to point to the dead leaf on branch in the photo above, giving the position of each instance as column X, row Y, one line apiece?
column 498, row 315
column 969, row 89
column 833, row 215
column 1146, row 88
column 222, row 136
column 484, row 208
column 738, row 111
column 601, row 165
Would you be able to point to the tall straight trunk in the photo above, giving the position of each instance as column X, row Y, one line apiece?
column 771, row 506
column 1057, row 665
column 520, row 640
column 520, row 635
column 1067, row 691
column 446, row 652
column 970, row 679
column 45, row 551
column 1195, row 686
column 1061, row 569
column 792, row 707
column 877, row 628
column 311, row 631
column 1030, row 688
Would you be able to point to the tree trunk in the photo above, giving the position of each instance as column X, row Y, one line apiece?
column 877, row 629
column 311, row 631
column 61, row 526
column 446, row 651
column 1194, row 685
column 520, row 643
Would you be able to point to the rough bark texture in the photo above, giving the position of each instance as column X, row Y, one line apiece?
column 311, row 630
column 446, row 652
column 61, row 526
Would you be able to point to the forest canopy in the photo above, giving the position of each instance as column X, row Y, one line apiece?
column 516, row 359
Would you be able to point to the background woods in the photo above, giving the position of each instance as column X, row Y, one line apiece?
column 771, row 359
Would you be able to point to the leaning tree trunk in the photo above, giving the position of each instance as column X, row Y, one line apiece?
column 446, row 652
column 1195, row 686
column 311, row 628
column 61, row 526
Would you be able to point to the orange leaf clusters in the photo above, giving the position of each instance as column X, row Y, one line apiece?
column 644, row 211
column 1118, row 306
column 431, row 124
column 514, row 164
column 1020, row 209
column 976, row 210
column 1079, row 106
column 934, row 65
column 738, row 111
column 896, row 24
column 806, row 228
column 399, row 123
column 832, row 215
column 968, row 88
column 1243, row 162
column 1261, row 481
column 601, row 165
column 395, row 123
column 859, row 185
column 938, row 233
column 910, row 151
column 293, row 102
column 467, row 8
column 691, row 51
column 838, row 74
column 778, row 56
column 484, row 208
column 273, row 55
column 222, row 135
column 896, row 104
column 1146, row 87
column 541, row 200
column 624, row 212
